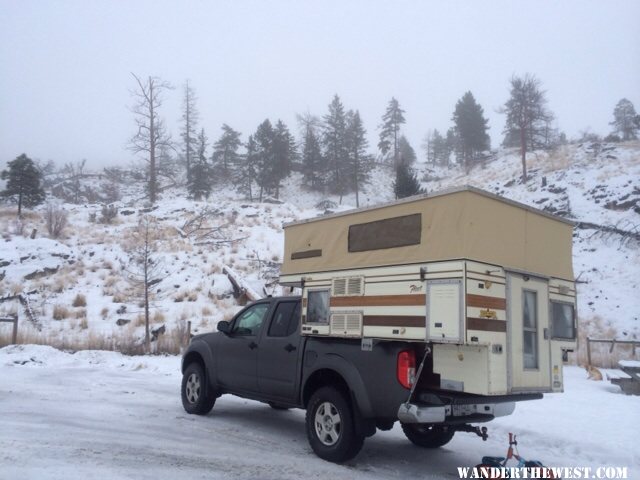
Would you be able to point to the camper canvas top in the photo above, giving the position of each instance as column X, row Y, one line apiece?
column 461, row 223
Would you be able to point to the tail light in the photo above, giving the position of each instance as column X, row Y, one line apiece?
column 406, row 368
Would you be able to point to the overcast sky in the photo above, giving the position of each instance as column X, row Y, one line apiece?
column 65, row 65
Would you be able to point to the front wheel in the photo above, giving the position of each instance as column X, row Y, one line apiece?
column 428, row 436
column 196, row 397
column 331, row 427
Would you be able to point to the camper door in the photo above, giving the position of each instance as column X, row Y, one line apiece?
column 529, row 351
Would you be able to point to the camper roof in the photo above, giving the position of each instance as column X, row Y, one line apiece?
column 461, row 223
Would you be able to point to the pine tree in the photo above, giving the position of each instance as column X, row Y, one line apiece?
column 335, row 148
column 284, row 154
column 438, row 149
column 406, row 151
column 471, row 129
column 406, row 183
column 357, row 152
column 246, row 171
column 200, row 184
column 451, row 145
column 626, row 122
column 527, row 116
column 266, row 177
column 24, row 183
column 389, row 130
column 313, row 162
column 225, row 152
column 189, row 128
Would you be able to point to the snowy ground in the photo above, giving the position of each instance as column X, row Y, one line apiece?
column 100, row 414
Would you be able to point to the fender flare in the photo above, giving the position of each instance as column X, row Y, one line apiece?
column 351, row 376
column 201, row 349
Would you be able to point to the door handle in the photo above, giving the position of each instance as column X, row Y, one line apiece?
column 289, row 348
column 253, row 345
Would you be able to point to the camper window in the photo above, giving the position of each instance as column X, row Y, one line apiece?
column 318, row 306
column 562, row 325
column 530, row 324
column 387, row 233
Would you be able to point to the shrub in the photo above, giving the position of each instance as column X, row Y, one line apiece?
column 80, row 301
column 55, row 218
column 60, row 312
column 108, row 213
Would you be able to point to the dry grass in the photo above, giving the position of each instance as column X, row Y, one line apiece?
column 84, row 323
column 125, row 343
column 79, row 301
column 104, row 313
column 81, row 313
column 206, row 311
column 60, row 312
column 601, row 353
column 119, row 298
column 158, row 317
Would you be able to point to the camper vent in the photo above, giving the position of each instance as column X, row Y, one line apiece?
column 346, row 324
column 352, row 286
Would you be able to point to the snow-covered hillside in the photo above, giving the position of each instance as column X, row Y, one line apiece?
column 592, row 184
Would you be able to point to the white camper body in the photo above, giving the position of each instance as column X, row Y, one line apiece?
column 486, row 282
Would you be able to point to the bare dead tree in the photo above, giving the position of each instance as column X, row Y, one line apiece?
column 151, row 134
column 199, row 229
column 190, row 120
column 74, row 173
column 144, row 271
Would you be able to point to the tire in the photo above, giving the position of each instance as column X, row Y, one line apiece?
column 428, row 436
column 277, row 406
column 331, row 426
column 196, row 397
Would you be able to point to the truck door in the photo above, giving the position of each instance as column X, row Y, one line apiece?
column 529, row 349
column 237, row 351
column 279, row 352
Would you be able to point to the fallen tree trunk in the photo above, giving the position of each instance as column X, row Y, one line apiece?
column 609, row 229
column 241, row 290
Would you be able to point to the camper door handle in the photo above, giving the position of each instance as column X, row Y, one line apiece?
column 546, row 334
column 289, row 348
column 253, row 345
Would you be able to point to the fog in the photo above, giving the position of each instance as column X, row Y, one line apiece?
column 65, row 67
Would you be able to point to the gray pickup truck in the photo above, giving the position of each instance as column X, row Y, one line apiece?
column 349, row 388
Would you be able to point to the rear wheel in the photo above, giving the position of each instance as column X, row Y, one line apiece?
column 196, row 397
column 331, row 427
column 428, row 436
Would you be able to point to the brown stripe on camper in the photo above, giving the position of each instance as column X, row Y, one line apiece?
column 393, row 321
column 482, row 301
column 379, row 301
column 306, row 254
column 486, row 324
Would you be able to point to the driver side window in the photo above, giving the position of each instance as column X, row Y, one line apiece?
column 250, row 321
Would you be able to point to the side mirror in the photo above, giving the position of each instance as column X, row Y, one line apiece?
column 224, row 326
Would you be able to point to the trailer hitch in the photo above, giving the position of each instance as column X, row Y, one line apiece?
column 480, row 431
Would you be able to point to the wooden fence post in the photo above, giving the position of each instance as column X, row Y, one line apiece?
column 14, row 334
column 588, row 351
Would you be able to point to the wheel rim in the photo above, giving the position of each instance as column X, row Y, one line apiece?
column 193, row 388
column 328, row 424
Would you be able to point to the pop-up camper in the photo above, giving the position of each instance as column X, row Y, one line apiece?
column 486, row 282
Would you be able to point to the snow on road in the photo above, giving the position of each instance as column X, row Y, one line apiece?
column 104, row 415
